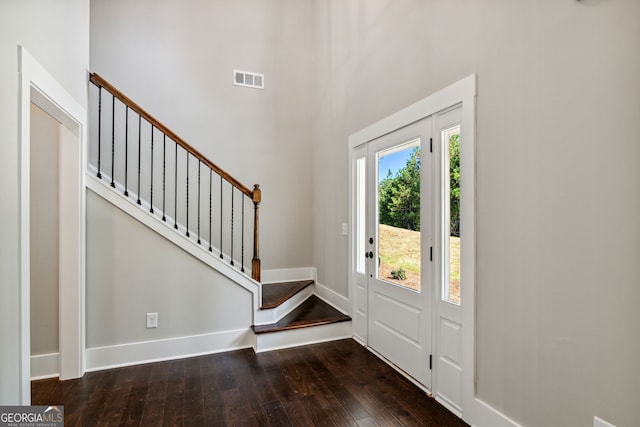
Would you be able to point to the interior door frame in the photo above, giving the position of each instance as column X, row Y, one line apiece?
column 39, row 87
column 462, row 92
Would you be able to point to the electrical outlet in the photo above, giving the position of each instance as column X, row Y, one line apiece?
column 598, row 422
column 152, row 320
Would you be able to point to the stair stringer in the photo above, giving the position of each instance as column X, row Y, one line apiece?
column 124, row 203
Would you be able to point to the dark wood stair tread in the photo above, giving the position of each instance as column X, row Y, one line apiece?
column 274, row 294
column 312, row 312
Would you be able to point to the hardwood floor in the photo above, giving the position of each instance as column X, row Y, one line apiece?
column 338, row 383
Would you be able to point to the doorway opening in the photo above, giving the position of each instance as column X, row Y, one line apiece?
column 38, row 89
column 45, row 242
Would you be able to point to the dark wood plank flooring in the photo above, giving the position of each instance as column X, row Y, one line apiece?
column 312, row 312
column 274, row 294
column 338, row 383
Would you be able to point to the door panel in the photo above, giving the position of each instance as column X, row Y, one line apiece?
column 359, row 209
column 400, row 319
column 399, row 323
column 449, row 237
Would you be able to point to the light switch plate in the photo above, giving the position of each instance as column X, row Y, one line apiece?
column 345, row 230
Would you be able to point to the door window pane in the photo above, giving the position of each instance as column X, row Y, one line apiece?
column 398, row 216
column 361, row 186
column 451, row 215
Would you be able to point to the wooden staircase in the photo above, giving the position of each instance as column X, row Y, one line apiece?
column 302, row 317
column 201, row 208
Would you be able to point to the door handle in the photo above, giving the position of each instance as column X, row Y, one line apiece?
column 370, row 255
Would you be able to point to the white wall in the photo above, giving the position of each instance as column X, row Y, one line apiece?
column 558, row 206
column 56, row 34
column 132, row 271
column 176, row 59
column 44, row 232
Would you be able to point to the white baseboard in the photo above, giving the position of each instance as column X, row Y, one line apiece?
column 288, row 274
column 333, row 298
column 487, row 416
column 173, row 348
column 45, row 366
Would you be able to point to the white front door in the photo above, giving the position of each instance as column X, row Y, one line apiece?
column 397, row 248
column 412, row 285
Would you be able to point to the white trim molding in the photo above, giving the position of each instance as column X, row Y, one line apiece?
column 288, row 274
column 332, row 298
column 136, row 353
column 302, row 336
column 45, row 366
column 487, row 416
column 37, row 86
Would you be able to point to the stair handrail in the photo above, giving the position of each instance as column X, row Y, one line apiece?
column 255, row 194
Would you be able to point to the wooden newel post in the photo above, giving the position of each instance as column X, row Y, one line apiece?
column 255, row 262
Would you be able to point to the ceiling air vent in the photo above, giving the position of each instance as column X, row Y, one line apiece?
column 247, row 79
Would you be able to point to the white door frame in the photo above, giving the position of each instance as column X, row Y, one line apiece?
column 462, row 92
column 37, row 86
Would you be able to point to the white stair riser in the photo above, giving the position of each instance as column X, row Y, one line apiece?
column 303, row 336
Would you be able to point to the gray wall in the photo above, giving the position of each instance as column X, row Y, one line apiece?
column 176, row 60
column 44, row 232
column 132, row 271
column 56, row 34
column 558, row 102
column 558, row 206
